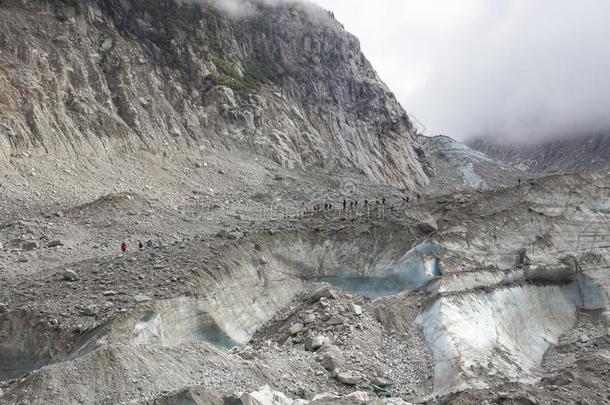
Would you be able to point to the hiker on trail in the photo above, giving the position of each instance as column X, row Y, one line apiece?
column 366, row 203
column 123, row 247
column 149, row 243
column 344, row 204
column 325, row 206
column 377, row 202
column 330, row 206
column 383, row 200
column 519, row 181
column 418, row 197
column 140, row 245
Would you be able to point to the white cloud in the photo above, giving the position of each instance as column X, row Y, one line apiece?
column 510, row 68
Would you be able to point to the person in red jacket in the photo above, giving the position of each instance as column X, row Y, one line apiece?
column 123, row 247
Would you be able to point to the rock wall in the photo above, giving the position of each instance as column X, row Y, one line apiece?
column 97, row 79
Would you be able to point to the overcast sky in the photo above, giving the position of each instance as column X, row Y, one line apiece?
column 505, row 68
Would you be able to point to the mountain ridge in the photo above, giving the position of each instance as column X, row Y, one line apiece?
column 565, row 154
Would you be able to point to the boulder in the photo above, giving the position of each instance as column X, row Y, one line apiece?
column 235, row 235
column 347, row 377
column 69, row 275
column 230, row 235
column 326, row 345
column 296, row 328
column 265, row 396
column 91, row 310
column 55, row 243
column 356, row 309
column 336, row 320
column 323, row 292
column 427, row 225
column 329, row 362
column 309, row 318
column 314, row 343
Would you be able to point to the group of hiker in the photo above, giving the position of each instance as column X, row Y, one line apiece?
column 141, row 246
column 317, row 208
column 353, row 204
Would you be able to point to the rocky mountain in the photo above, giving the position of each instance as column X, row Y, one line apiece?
column 566, row 154
column 95, row 80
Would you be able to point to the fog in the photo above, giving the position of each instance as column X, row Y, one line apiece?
column 510, row 69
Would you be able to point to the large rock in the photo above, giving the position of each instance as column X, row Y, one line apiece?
column 229, row 235
column 323, row 292
column 336, row 320
column 356, row 309
column 428, row 225
column 314, row 343
column 309, row 319
column 295, row 328
column 91, row 310
column 69, row 275
column 265, row 396
column 55, row 243
column 349, row 378
column 329, row 362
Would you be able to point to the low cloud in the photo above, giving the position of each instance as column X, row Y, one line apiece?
column 249, row 8
column 520, row 70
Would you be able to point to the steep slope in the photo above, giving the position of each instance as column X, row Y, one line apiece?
column 454, row 166
column 99, row 79
column 571, row 154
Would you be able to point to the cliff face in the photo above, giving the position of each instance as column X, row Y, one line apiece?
column 91, row 79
